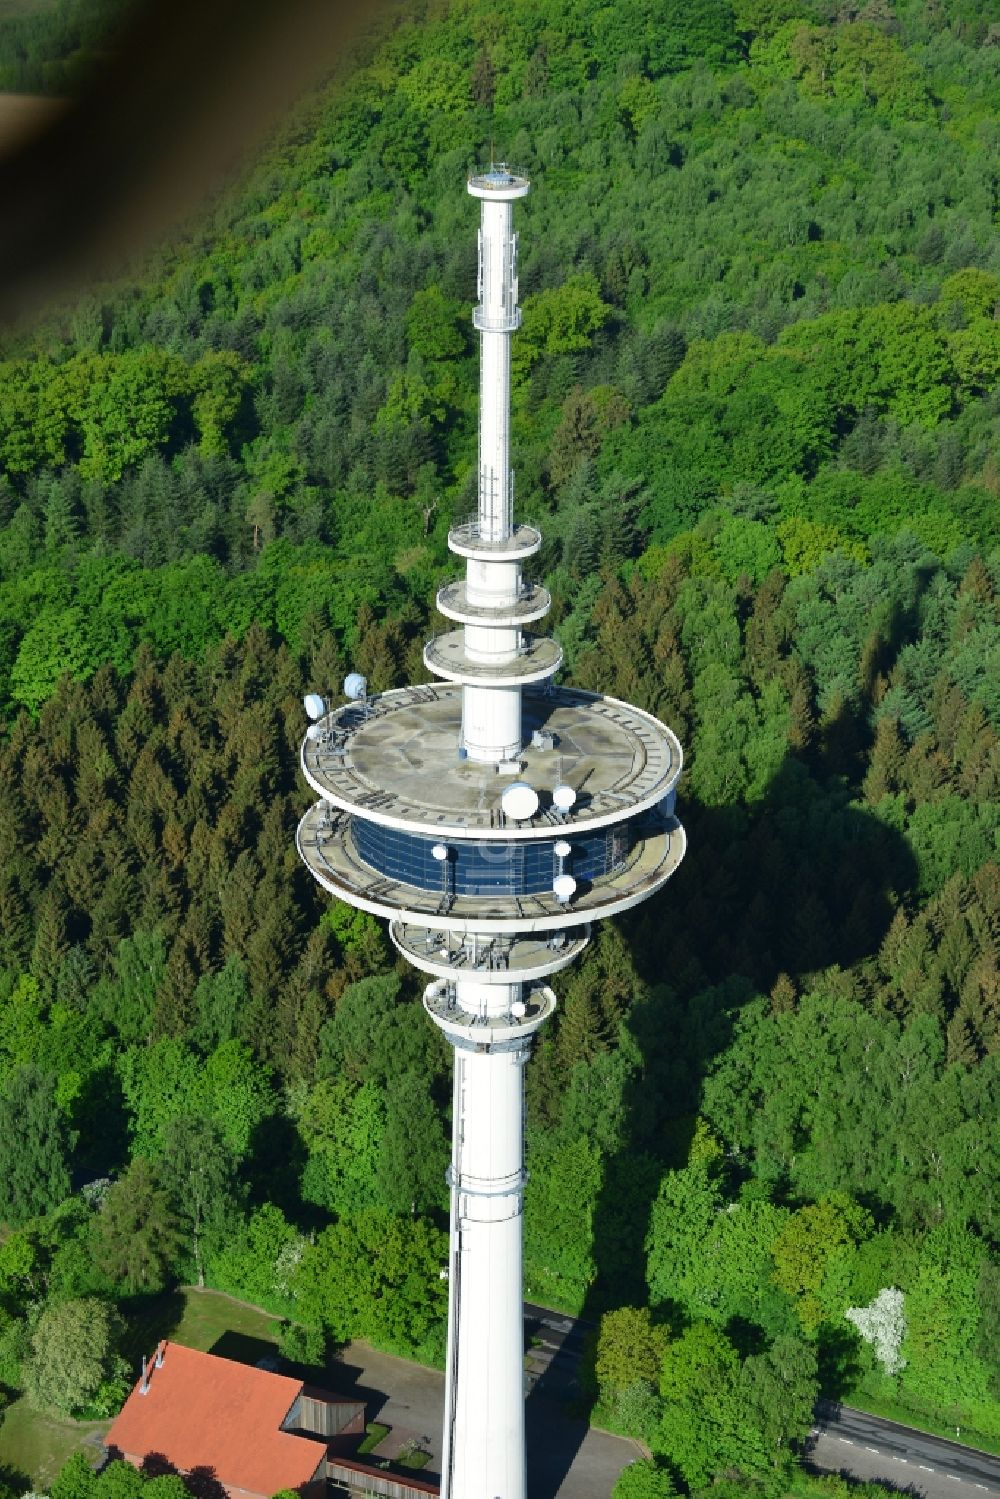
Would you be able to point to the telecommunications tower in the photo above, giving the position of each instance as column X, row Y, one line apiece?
column 490, row 817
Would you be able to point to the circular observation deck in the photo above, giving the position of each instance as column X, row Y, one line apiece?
column 395, row 761
column 446, row 656
column 326, row 845
column 468, row 540
column 534, row 602
column 489, row 960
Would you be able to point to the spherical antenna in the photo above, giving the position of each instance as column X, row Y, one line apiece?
column 564, row 797
column 355, row 686
column 439, row 852
column 564, row 888
column 314, row 705
column 562, row 849
column 519, row 801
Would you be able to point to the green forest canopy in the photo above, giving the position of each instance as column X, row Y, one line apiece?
column 755, row 410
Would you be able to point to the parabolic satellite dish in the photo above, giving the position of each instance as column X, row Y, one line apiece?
column 355, row 686
column 519, row 801
column 564, row 797
column 314, row 705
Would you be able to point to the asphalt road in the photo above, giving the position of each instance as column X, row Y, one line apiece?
column 850, row 1441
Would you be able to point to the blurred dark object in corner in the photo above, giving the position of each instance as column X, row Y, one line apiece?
column 190, row 88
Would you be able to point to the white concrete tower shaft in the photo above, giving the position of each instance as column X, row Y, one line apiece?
column 484, row 1451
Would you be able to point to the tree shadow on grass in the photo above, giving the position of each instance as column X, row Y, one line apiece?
column 800, row 882
column 244, row 1349
column 148, row 1319
column 13, row 1478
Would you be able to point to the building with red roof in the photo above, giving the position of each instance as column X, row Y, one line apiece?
column 255, row 1431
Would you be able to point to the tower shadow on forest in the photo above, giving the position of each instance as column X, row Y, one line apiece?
column 766, row 896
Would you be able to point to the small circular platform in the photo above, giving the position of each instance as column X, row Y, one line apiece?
column 453, row 602
column 487, row 1033
column 467, row 540
column 446, row 656
column 498, row 183
column 488, row 960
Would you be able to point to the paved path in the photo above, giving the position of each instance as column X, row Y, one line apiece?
column 850, row 1441
column 566, row 1459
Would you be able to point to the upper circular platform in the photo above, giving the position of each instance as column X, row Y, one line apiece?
column 395, row 761
column 467, row 540
column 498, row 184
column 448, row 656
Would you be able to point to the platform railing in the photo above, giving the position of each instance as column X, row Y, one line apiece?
column 471, row 530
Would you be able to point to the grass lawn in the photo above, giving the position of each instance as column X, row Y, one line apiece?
column 35, row 1446
column 375, row 1432
column 413, row 1460
column 208, row 1320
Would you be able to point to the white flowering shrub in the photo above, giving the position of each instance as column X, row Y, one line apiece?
column 883, row 1324
column 94, row 1192
column 286, row 1265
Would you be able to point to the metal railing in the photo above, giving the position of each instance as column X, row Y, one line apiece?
column 530, row 596
column 471, row 530
column 536, row 651
column 507, row 322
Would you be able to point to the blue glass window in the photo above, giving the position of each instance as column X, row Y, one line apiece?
column 489, row 867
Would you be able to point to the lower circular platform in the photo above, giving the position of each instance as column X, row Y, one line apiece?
column 487, row 1032
column 488, row 960
column 446, row 656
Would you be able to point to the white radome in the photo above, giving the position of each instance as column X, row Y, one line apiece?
column 519, row 801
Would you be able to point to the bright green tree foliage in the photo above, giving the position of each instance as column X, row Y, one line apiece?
column 73, row 1348
column 375, row 1276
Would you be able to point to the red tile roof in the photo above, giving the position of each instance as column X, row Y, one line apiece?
column 204, row 1411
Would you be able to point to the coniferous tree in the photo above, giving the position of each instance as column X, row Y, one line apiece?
column 35, row 1146
column 137, row 1235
